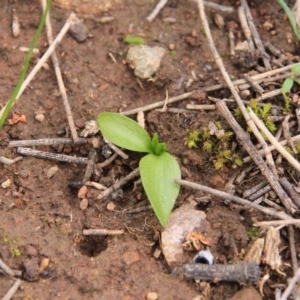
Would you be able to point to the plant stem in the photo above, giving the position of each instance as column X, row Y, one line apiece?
column 290, row 16
column 25, row 66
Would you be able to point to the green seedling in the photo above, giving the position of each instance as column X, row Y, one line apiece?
column 290, row 17
column 133, row 40
column 5, row 111
column 158, row 169
column 288, row 84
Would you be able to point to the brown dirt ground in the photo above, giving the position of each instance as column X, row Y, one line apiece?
column 41, row 217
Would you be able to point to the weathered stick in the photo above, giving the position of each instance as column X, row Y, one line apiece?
column 292, row 248
column 6, row 268
column 291, row 285
column 45, row 142
column 281, row 215
column 119, row 184
column 52, row 156
column 255, row 35
column 277, row 222
column 12, row 290
column 102, row 232
column 60, row 81
column 244, row 273
column 274, row 141
column 261, row 152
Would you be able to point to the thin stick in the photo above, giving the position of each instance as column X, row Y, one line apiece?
column 116, row 149
column 156, row 104
column 60, row 81
column 265, row 210
column 44, row 58
column 245, row 27
column 102, row 232
column 291, row 286
column 216, row 6
column 176, row 110
column 107, row 162
column 255, row 188
column 255, row 35
column 12, row 290
column 208, row 89
column 45, row 142
column 52, row 156
column 8, row 161
column 277, row 223
column 286, row 132
column 6, row 268
column 254, row 84
column 201, row 106
column 260, row 192
column 272, row 147
column 119, row 184
column 156, row 10
column 273, row 141
column 292, row 248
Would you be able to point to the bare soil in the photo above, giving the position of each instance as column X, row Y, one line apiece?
column 40, row 217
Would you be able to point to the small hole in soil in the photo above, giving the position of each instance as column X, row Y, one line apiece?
column 92, row 245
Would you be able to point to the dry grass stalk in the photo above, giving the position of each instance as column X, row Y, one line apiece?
column 60, row 81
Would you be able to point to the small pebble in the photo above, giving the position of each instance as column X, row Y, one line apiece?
column 110, row 206
column 145, row 60
column 40, row 117
column 82, row 192
column 6, row 184
column 51, row 172
column 78, row 30
column 157, row 253
column 171, row 47
column 268, row 26
column 130, row 257
column 84, row 204
column 152, row 296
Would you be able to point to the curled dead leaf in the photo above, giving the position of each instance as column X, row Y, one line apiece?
column 16, row 118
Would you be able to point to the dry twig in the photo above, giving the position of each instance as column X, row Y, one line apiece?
column 119, row 184
column 156, row 10
column 12, row 290
column 273, row 141
column 255, row 35
column 102, row 232
column 291, row 285
column 60, row 81
column 267, row 211
column 6, row 268
column 245, row 27
column 45, row 142
column 292, row 248
column 52, row 156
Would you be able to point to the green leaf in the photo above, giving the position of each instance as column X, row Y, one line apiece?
column 133, row 40
column 158, row 174
column 124, row 132
column 287, row 85
column 296, row 70
column 157, row 147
